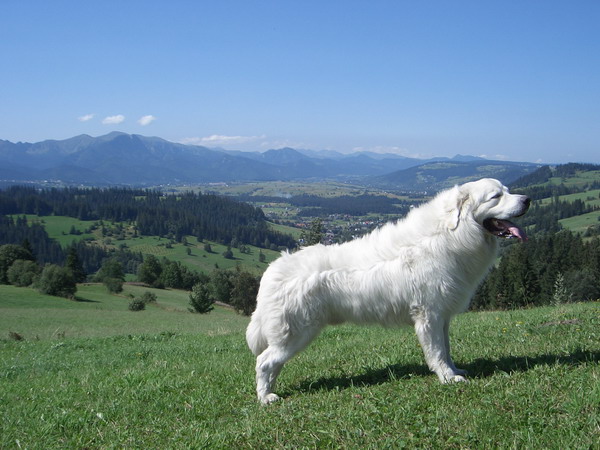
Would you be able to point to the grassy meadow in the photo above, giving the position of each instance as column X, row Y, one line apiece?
column 198, row 259
column 283, row 189
column 191, row 255
column 92, row 374
column 580, row 179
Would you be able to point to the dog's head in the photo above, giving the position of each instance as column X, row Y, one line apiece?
column 490, row 204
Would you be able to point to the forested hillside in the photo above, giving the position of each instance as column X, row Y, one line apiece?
column 551, row 268
column 557, row 264
column 44, row 250
column 205, row 216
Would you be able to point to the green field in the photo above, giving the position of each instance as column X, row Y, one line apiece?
column 97, row 314
column 199, row 259
column 290, row 188
column 91, row 374
column 580, row 179
column 590, row 197
column 581, row 223
column 58, row 228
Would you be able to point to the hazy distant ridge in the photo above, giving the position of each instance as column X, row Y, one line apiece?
column 119, row 158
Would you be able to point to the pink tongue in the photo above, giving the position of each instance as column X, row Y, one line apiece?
column 515, row 230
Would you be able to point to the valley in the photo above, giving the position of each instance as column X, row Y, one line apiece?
column 244, row 226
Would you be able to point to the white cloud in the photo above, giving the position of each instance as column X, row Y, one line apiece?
column 282, row 143
column 146, row 120
column 85, row 117
column 113, row 120
column 218, row 139
column 497, row 157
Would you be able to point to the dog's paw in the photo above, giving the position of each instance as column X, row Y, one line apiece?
column 269, row 398
column 457, row 379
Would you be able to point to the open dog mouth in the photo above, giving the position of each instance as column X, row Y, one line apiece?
column 504, row 229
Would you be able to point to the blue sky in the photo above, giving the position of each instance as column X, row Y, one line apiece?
column 515, row 80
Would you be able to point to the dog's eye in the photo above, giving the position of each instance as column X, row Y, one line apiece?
column 498, row 195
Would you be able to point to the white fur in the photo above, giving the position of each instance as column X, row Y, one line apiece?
column 420, row 271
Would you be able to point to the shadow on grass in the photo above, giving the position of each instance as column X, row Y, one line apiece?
column 483, row 368
column 85, row 300
column 478, row 369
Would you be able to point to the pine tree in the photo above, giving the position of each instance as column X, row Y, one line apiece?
column 200, row 299
column 74, row 265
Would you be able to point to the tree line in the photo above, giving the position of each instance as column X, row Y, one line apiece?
column 544, row 218
column 205, row 216
column 550, row 268
column 555, row 265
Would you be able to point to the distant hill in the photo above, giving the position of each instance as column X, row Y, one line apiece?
column 565, row 196
column 134, row 160
column 442, row 174
column 119, row 158
column 567, row 174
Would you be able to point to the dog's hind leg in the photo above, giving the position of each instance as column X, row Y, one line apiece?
column 268, row 366
column 431, row 333
column 270, row 362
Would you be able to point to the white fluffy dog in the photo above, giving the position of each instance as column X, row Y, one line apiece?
column 419, row 271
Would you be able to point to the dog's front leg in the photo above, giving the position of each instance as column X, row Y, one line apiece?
column 447, row 346
column 431, row 334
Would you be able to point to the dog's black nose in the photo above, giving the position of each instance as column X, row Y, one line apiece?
column 527, row 202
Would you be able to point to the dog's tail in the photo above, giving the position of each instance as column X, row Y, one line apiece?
column 254, row 336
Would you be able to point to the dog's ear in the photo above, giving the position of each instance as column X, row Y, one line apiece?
column 455, row 205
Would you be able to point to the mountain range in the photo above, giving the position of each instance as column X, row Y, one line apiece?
column 134, row 160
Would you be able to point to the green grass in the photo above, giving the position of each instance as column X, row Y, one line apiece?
column 165, row 378
column 589, row 197
column 295, row 232
column 580, row 224
column 580, row 179
column 58, row 228
column 199, row 259
column 98, row 314
column 289, row 188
